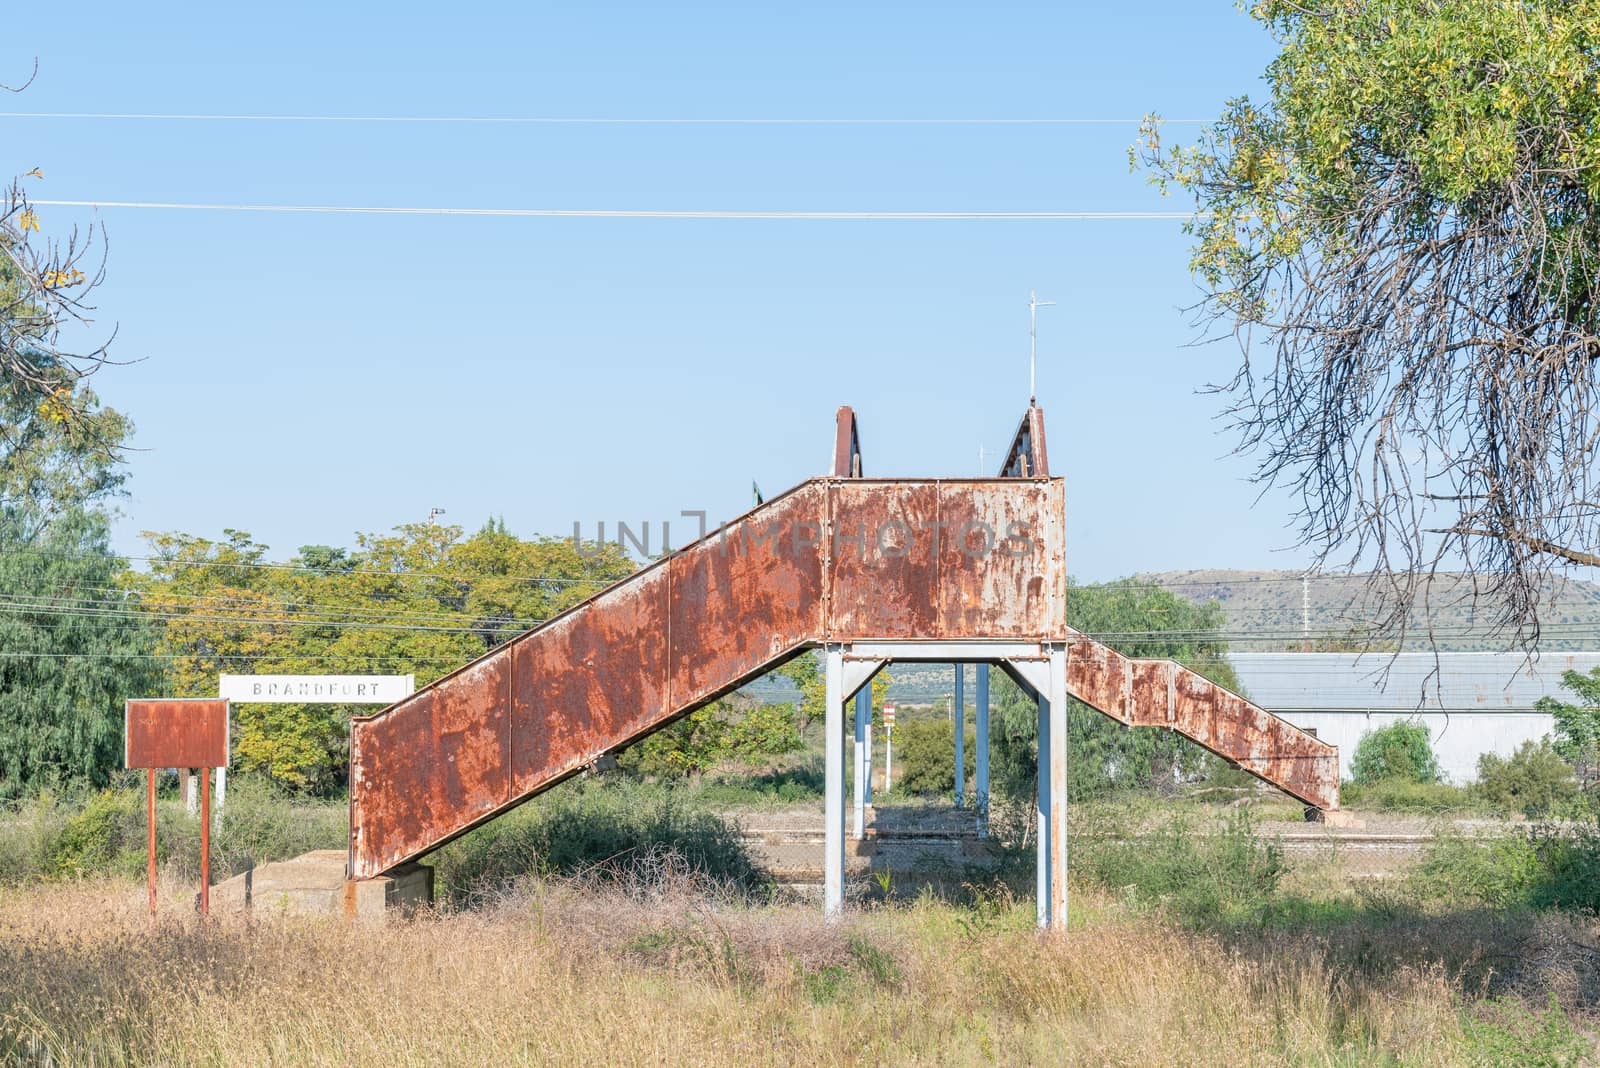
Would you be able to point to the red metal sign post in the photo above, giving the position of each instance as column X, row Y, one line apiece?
column 178, row 733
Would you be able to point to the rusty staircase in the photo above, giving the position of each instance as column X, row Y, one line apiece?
column 842, row 561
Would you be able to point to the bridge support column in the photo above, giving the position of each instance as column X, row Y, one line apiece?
column 863, row 759
column 981, row 748
column 958, row 716
column 1048, row 680
column 1058, row 789
column 1041, row 813
column 833, row 787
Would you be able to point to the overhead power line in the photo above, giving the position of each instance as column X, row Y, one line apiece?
column 606, row 120
column 624, row 213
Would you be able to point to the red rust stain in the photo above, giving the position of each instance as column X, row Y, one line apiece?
column 439, row 765
column 589, row 681
column 746, row 596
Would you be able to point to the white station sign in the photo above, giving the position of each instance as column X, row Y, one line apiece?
column 316, row 689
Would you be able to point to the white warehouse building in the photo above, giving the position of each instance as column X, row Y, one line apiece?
column 1476, row 703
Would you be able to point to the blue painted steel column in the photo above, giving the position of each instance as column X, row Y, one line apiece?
column 981, row 756
column 868, row 760
column 863, row 762
column 958, row 715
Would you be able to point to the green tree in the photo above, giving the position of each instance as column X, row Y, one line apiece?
column 1535, row 780
column 1404, row 235
column 419, row 600
column 1400, row 752
column 71, row 647
column 1577, row 726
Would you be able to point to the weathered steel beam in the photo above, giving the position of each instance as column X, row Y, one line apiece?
column 942, row 652
column 1162, row 693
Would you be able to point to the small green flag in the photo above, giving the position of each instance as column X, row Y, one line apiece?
column 755, row 491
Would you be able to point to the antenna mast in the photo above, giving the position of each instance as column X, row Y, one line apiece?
column 1034, row 304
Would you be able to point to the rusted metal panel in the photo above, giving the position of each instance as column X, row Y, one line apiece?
column 1099, row 677
column 431, row 765
column 747, row 595
column 846, row 445
column 886, row 550
column 1002, row 559
column 176, row 733
column 1149, row 693
column 1256, row 740
column 589, row 681
column 1161, row 693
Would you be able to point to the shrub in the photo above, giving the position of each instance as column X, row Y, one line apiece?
column 1498, row 871
column 603, row 831
column 28, row 834
column 779, row 786
column 715, row 735
column 1224, row 873
column 1535, row 780
column 1552, row 867
column 1400, row 751
column 1399, row 795
column 1506, row 1031
column 107, row 835
column 925, row 757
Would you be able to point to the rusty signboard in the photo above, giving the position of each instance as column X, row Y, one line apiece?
column 174, row 732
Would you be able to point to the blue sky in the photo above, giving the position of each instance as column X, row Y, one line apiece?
column 304, row 377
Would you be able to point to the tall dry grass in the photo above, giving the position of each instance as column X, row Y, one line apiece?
column 669, row 972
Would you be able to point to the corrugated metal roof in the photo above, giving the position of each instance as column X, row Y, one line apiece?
column 1485, row 682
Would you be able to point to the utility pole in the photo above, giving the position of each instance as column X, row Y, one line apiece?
column 1034, row 304
column 1305, row 613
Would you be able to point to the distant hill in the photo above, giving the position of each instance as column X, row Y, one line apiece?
column 1262, row 610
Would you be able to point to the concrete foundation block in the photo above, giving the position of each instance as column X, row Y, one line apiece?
column 313, row 884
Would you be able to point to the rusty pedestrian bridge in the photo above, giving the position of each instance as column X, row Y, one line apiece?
column 867, row 569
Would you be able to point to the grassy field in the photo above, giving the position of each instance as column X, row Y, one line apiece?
column 1194, row 943
column 661, row 971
